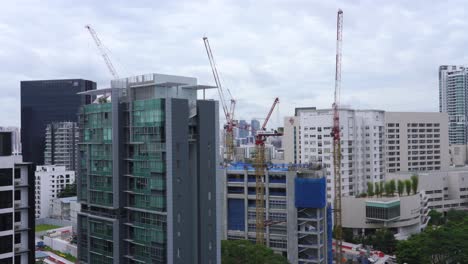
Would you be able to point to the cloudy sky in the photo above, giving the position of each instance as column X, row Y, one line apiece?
column 263, row 48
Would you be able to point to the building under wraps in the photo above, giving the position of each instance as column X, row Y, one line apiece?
column 298, row 219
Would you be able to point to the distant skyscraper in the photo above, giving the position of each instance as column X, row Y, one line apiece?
column 453, row 99
column 148, row 174
column 45, row 102
column 254, row 126
column 243, row 129
column 61, row 144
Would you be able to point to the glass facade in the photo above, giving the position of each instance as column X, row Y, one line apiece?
column 45, row 102
column 383, row 211
column 146, row 181
column 96, row 155
column 96, row 188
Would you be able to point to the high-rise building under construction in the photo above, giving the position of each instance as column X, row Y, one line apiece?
column 147, row 173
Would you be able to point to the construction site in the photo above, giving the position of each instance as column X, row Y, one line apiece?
column 282, row 206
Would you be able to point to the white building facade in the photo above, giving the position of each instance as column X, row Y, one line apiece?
column 403, row 215
column 308, row 139
column 50, row 181
column 416, row 141
column 445, row 189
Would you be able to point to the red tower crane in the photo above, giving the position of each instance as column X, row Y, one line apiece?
column 260, row 166
column 228, row 110
column 337, row 143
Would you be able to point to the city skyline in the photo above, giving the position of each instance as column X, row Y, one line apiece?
column 283, row 49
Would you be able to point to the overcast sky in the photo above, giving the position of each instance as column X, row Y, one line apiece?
column 263, row 48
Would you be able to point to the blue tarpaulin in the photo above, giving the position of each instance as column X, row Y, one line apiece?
column 236, row 214
column 310, row 193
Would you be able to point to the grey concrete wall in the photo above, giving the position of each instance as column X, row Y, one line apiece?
column 208, row 245
column 180, row 210
column 291, row 218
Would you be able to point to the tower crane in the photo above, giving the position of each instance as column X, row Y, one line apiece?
column 260, row 166
column 102, row 51
column 228, row 110
column 337, row 143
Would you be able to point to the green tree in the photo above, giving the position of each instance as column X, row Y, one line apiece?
column 68, row 191
column 244, row 251
column 414, row 183
column 436, row 218
column 383, row 240
column 408, row 186
column 447, row 243
column 348, row 235
column 456, row 215
column 382, row 188
column 387, row 189
column 377, row 189
column 370, row 189
column 401, row 187
column 392, row 187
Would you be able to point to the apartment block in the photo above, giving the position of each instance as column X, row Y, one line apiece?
column 298, row 221
column 50, row 181
column 453, row 100
column 416, row 141
column 16, row 205
column 148, row 173
column 307, row 138
column 61, row 145
column 44, row 102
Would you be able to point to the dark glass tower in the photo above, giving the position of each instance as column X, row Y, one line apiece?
column 44, row 102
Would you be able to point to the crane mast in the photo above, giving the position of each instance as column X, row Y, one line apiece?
column 228, row 110
column 103, row 52
column 260, row 166
column 337, row 143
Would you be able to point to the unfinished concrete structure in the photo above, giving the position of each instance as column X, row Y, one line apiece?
column 297, row 219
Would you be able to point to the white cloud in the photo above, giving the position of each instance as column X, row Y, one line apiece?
column 264, row 49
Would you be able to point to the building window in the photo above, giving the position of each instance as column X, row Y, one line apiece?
column 17, row 238
column 7, row 244
column 6, row 199
column 383, row 211
column 6, row 178
column 17, row 216
column 6, row 221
